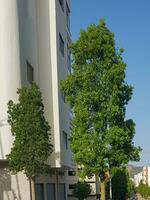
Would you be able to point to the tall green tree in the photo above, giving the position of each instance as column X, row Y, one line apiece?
column 32, row 139
column 97, row 92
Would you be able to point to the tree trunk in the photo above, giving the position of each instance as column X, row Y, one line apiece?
column 32, row 188
column 110, row 189
column 103, row 197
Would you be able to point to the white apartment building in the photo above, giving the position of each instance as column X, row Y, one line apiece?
column 34, row 38
column 143, row 176
column 146, row 175
column 138, row 178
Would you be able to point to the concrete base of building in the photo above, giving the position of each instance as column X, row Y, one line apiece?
column 52, row 186
column 17, row 187
column 13, row 186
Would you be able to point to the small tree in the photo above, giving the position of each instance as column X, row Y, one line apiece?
column 81, row 190
column 144, row 190
column 96, row 90
column 121, row 184
column 31, row 146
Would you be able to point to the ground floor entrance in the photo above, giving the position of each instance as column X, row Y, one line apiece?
column 17, row 187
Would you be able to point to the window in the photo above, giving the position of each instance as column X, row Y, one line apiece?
column 71, row 124
column 61, row 2
column 50, row 190
column 30, row 73
column 69, row 59
column 68, row 16
column 61, row 44
column 71, row 186
column 63, row 96
column 39, row 191
column 71, row 173
column 61, row 191
column 65, row 139
column 69, row 62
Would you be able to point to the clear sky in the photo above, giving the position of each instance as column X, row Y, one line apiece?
column 130, row 22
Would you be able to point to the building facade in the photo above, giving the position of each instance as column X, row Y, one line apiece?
column 34, row 38
column 94, row 183
column 143, row 176
column 146, row 175
column 138, row 178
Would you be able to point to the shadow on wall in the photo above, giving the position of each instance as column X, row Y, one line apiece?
column 22, row 20
column 5, row 182
column 6, row 191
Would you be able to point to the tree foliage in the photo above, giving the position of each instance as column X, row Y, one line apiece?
column 81, row 190
column 31, row 146
column 98, row 94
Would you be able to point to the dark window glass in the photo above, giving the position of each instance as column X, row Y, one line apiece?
column 50, row 190
column 39, row 191
column 63, row 96
column 68, row 16
column 30, row 73
column 65, row 139
column 61, row 2
column 71, row 187
column 69, row 62
column 71, row 173
column 61, row 44
column 61, row 192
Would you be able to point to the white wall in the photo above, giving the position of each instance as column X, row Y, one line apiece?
column 138, row 178
column 40, row 24
column 13, row 186
column 33, row 37
column 64, row 117
column 9, row 68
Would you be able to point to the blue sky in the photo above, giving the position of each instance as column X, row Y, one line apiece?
column 130, row 22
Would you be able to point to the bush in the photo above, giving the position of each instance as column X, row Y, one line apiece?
column 81, row 190
column 144, row 190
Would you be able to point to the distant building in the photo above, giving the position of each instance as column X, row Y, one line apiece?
column 146, row 175
column 143, row 176
column 138, row 178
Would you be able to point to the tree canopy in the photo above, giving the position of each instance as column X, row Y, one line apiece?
column 96, row 89
column 32, row 142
